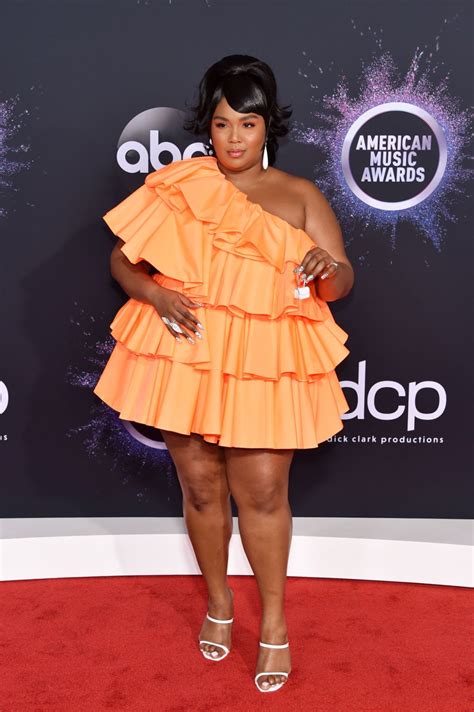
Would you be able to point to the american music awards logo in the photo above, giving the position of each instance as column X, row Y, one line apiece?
column 394, row 156
column 397, row 148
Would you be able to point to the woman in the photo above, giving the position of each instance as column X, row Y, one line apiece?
column 246, row 257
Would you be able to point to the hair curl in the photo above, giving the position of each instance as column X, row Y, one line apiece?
column 249, row 85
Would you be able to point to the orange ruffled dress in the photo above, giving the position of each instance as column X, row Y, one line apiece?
column 263, row 375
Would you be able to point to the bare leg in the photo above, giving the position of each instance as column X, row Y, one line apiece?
column 207, row 513
column 258, row 480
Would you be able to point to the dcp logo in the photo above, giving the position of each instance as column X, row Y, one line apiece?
column 408, row 396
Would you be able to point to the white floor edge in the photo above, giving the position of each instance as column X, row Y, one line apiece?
column 321, row 548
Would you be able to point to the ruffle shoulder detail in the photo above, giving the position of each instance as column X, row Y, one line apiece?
column 193, row 226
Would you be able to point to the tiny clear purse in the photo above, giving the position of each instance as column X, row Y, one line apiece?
column 302, row 289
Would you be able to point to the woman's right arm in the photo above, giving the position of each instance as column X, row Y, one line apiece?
column 137, row 282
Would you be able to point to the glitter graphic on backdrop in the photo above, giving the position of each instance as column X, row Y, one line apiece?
column 378, row 84
column 10, row 124
column 133, row 452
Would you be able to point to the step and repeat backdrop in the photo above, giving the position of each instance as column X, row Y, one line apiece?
column 94, row 98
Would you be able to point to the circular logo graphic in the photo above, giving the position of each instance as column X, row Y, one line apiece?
column 394, row 156
column 153, row 139
column 3, row 397
column 145, row 434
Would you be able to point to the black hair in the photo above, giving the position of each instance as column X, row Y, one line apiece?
column 249, row 86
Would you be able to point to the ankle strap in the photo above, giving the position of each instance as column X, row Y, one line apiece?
column 269, row 645
column 216, row 620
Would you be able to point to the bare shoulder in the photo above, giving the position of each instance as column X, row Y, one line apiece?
column 316, row 205
column 303, row 190
column 309, row 191
column 288, row 181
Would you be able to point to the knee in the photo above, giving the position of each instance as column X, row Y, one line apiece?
column 204, row 490
column 267, row 499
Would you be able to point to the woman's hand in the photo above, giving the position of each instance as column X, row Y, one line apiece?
column 171, row 306
column 315, row 262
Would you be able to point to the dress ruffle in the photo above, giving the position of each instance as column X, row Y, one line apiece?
column 263, row 375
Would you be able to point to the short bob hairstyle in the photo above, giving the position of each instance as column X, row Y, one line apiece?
column 249, row 86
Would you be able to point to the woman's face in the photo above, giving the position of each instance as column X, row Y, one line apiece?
column 232, row 131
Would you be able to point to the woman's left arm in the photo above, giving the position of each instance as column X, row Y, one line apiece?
column 323, row 228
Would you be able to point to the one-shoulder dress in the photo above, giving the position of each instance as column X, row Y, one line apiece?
column 264, row 374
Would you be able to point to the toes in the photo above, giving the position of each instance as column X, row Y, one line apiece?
column 271, row 681
column 212, row 650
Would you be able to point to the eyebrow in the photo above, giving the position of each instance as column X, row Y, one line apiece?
column 248, row 116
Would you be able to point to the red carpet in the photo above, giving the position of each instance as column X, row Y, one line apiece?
column 130, row 643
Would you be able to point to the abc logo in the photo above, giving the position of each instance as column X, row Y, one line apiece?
column 140, row 148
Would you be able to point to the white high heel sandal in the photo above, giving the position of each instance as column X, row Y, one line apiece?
column 276, row 686
column 226, row 650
